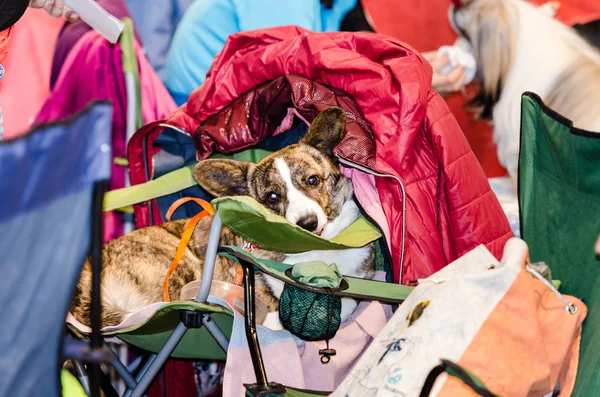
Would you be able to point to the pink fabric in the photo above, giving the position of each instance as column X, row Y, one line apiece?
column 286, row 123
column 93, row 70
column 24, row 86
column 295, row 363
column 365, row 192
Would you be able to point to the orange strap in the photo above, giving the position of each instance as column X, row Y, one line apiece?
column 239, row 276
column 5, row 36
column 186, row 236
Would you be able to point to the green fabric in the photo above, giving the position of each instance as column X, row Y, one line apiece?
column 197, row 343
column 357, row 287
column 317, row 274
column 250, row 394
column 452, row 369
column 559, row 199
column 70, row 385
column 379, row 259
column 165, row 185
column 130, row 65
column 466, row 376
column 250, row 155
column 170, row 183
column 303, row 393
column 556, row 284
column 249, row 219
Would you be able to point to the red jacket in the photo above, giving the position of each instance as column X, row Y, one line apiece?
column 434, row 194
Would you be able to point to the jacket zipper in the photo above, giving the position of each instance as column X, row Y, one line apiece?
column 372, row 172
column 385, row 251
column 182, row 131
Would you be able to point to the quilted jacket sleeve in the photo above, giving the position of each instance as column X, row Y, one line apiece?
column 472, row 214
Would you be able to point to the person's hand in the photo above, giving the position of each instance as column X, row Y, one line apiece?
column 598, row 246
column 56, row 8
column 444, row 83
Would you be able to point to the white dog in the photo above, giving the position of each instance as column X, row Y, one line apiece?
column 519, row 47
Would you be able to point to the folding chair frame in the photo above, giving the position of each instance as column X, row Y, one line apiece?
column 137, row 385
column 93, row 353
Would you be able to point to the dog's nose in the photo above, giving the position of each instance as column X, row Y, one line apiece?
column 309, row 222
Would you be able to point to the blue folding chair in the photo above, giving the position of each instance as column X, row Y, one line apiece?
column 52, row 182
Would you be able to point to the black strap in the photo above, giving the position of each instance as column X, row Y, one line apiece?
column 453, row 370
column 11, row 11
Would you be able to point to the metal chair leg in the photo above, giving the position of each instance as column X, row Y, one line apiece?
column 215, row 331
column 96, row 261
column 106, row 385
column 81, row 374
column 121, row 369
column 250, row 323
column 261, row 386
column 157, row 363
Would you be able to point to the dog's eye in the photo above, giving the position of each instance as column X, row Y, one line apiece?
column 273, row 197
column 313, row 180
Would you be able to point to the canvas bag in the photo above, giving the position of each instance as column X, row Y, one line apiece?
column 494, row 319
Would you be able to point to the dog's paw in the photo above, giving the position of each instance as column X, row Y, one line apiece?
column 272, row 321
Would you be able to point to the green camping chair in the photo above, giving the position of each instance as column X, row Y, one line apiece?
column 200, row 330
column 559, row 199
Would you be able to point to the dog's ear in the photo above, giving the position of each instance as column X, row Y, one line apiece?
column 221, row 177
column 488, row 25
column 326, row 130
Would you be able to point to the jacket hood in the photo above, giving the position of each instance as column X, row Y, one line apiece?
column 389, row 81
column 438, row 207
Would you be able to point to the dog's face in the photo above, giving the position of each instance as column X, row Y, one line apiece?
column 489, row 28
column 301, row 182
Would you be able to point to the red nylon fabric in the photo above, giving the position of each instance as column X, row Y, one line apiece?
column 573, row 12
column 450, row 207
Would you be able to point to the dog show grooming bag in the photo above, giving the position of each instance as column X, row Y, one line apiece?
column 499, row 321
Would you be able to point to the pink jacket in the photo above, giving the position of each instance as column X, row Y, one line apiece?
column 94, row 70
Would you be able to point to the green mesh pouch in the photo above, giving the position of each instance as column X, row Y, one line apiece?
column 312, row 315
column 309, row 315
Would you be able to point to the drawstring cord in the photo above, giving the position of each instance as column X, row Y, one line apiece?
column 569, row 307
column 327, row 353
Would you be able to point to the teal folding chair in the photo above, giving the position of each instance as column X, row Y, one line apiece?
column 559, row 200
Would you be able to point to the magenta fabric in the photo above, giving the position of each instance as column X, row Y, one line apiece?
column 72, row 32
column 93, row 71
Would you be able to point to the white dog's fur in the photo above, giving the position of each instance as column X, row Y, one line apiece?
column 350, row 262
column 520, row 48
